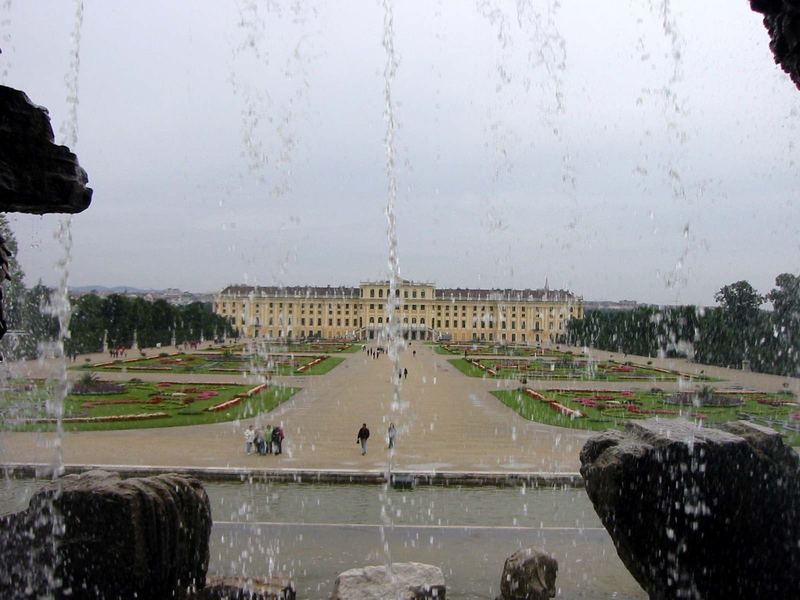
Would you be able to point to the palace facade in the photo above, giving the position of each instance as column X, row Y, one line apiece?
column 423, row 312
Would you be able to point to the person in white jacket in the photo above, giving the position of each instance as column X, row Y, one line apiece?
column 249, row 436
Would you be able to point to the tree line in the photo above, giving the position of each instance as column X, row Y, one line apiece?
column 96, row 321
column 108, row 322
column 737, row 330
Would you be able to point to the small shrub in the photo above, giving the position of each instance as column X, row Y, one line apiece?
column 163, row 355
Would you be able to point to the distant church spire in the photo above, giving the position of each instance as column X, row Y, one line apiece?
column 546, row 286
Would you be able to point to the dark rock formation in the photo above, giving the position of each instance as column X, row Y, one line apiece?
column 782, row 20
column 243, row 588
column 133, row 538
column 408, row 581
column 529, row 574
column 699, row 513
column 36, row 175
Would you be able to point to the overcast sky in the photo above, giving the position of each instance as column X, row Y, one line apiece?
column 230, row 143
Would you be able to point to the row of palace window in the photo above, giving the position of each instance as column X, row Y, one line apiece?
column 475, row 319
column 396, row 293
column 271, row 322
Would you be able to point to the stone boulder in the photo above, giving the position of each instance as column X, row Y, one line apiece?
column 697, row 512
column 529, row 574
column 782, row 20
column 133, row 538
column 408, row 581
column 247, row 588
column 36, row 175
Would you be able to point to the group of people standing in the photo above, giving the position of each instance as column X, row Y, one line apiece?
column 264, row 441
column 372, row 352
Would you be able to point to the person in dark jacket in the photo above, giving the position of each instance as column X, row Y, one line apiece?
column 363, row 436
column 277, row 438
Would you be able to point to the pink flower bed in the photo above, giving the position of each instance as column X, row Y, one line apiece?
column 566, row 411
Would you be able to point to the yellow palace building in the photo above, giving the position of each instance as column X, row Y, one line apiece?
column 423, row 312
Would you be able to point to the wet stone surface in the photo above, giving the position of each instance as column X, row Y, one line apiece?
column 141, row 537
column 699, row 513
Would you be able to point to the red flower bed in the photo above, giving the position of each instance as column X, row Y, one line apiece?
column 96, row 403
column 773, row 401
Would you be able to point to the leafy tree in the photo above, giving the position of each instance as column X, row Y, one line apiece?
column 28, row 321
column 740, row 301
column 13, row 293
column 740, row 308
column 785, row 298
column 87, row 325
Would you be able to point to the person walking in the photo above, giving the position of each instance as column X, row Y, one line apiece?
column 392, row 433
column 249, row 437
column 260, row 444
column 268, row 438
column 405, row 373
column 363, row 436
column 277, row 439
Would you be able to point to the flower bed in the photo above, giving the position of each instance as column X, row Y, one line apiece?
column 237, row 399
column 307, row 366
column 564, row 410
column 103, row 419
column 95, row 404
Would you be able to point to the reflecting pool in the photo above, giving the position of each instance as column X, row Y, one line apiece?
column 313, row 532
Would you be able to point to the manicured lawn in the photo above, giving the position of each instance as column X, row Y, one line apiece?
column 323, row 367
column 277, row 364
column 573, row 369
column 467, row 368
column 183, row 404
column 611, row 409
column 484, row 349
column 323, row 347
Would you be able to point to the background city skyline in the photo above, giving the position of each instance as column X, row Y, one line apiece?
column 643, row 151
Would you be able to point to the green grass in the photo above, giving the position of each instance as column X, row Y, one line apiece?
column 578, row 371
column 326, row 365
column 467, row 368
column 317, row 347
column 484, row 349
column 179, row 401
column 614, row 417
column 439, row 349
column 217, row 363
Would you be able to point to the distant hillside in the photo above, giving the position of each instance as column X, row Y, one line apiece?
column 117, row 289
column 171, row 295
